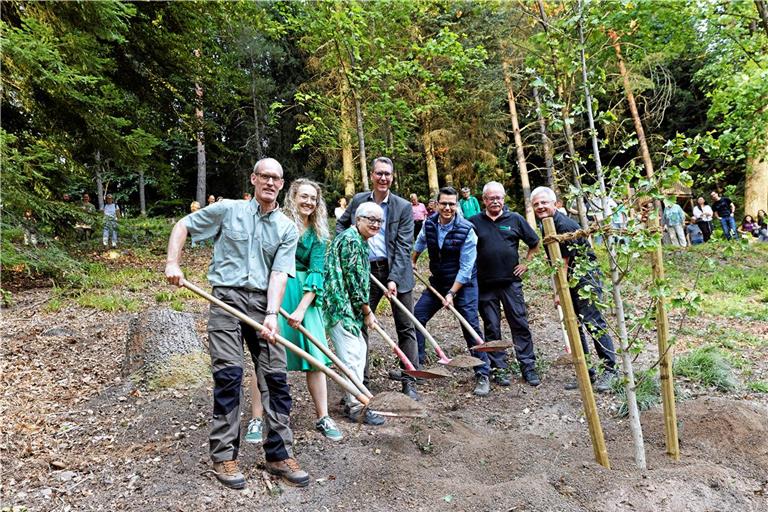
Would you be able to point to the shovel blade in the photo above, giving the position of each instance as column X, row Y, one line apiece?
column 434, row 373
column 463, row 361
column 390, row 403
column 493, row 346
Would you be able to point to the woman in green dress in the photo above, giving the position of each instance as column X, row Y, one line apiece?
column 302, row 300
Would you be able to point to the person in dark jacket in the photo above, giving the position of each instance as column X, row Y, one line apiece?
column 499, row 275
column 451, row 242
column 543, row 201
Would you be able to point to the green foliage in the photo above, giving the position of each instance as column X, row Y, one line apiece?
column 758, row 386
column 109, row 302
column 707, row 366
column 647, row 391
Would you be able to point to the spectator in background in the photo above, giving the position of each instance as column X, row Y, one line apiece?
column 469, row 204
column 749, row 226
column 211, row 199
column 724, row 210
column 339, row 210
column 220, row 198
column 247, row 196
column 762, row 223
column 674, row 222
column 702, row 215
column 693, row 231
column 29, row 226
column 431, row 207
column 193, row 207
column 420, row 213
column 111, row 214
column 85, row 229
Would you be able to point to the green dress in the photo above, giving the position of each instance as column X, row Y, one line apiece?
column 310, row 262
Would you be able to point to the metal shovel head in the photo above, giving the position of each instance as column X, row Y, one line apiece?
column 462, row 361
column 430, row 373
column 391, row 403
column 493, row 346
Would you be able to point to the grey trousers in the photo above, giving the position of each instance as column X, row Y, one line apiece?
column 225, row 344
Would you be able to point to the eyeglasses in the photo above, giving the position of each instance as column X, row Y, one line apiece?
column 494, row 199
column 373, row 221
column 381, row 175
column 447, row 204
column 266, row 178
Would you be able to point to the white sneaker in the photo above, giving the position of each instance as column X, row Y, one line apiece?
column 254, row 433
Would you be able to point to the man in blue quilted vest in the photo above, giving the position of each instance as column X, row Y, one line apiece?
column 452, row 246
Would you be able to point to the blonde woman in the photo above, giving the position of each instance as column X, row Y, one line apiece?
column 305, row 206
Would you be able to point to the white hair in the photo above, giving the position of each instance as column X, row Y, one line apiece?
column 369, row 209
column 546, row 191
column 493, row 184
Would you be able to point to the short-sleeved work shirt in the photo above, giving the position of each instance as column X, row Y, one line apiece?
column 248, row 245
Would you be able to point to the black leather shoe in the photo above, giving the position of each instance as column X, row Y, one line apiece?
column 409, row 390
column 531, row 377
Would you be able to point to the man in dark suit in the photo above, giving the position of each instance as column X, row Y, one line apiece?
column 390, row 257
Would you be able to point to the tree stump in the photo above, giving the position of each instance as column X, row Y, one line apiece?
column 157, row 337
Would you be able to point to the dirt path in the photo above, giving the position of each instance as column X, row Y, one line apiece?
column 78, row 437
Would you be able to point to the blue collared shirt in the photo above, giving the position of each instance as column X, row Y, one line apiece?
column 468, row 253
column 378, row 243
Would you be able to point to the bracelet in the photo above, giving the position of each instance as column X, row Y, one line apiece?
column 270, row 312
column 450, row 292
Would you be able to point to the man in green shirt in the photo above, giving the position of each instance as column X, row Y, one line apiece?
column 468, row 203
column 347, row 288
column 253, row 256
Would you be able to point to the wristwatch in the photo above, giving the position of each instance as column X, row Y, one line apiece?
column 450, row 292
column 270, row 312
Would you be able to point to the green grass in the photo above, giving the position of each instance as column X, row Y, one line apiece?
column 647, row 391
column 758, row 386
column 108, row 302
column 708, row 366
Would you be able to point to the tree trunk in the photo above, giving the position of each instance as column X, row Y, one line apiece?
column 429, row 156
column 763, row 10
column 345, row 138
column 521, row 164
column 142, row 197
column 361, row 143
column 546, row 144
column 621, row 324
column 756, row 187
column 155, row 337
column 201, row 173
column 255, row 106
column 99, row 182
column 657, row 262
column 568, row 131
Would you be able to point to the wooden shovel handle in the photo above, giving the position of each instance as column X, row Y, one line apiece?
column 279, row 339
column 462, row 320
column 413, row 319
column 333, row 357
column 400, row 354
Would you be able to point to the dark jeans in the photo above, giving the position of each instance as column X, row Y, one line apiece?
column 591, row 320
column 729, row 227
column 406, row 333
column 511, row 298
column 706, row 228
column 465, row 303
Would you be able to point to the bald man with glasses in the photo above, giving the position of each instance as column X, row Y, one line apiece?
column 390, row 258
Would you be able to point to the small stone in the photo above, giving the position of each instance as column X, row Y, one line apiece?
column 58, row 331
column 58, row 464
column 66, row 476
column 46, row 493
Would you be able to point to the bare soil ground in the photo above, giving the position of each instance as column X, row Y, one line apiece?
column 76, row 436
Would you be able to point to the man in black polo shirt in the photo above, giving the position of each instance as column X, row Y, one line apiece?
column 543, row 200
column 724, row 210
column 499, row 275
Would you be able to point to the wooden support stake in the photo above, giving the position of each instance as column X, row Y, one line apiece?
column 657, row 262
column 577, row 351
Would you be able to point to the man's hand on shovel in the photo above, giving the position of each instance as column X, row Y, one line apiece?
column 173, row 274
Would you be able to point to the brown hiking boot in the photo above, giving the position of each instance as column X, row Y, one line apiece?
column 290, row 471
column 228, row 474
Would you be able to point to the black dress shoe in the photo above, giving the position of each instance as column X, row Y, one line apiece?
column 409, row 390
column 531, row 377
